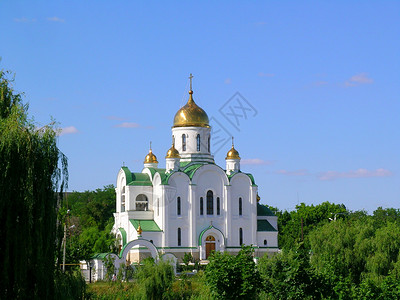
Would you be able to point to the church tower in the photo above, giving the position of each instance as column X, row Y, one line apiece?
column 191, row 132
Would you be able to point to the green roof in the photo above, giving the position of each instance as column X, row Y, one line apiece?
column 263, row 211
column 264, row 225
column 141, row 179
column 146, row 225
column 128, row 174
column 248, row 174
column 164, row 176
column 192, row 169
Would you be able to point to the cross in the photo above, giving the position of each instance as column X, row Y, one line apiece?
column 150, row 145
column 232, row 141
column 191, row 77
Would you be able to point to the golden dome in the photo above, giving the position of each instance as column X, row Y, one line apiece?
column 232, row 154
column 191, row 115
column 258, row 198
column 172, row 153
column 139, row 230
column 150, row 158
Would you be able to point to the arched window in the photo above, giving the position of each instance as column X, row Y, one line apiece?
column 178, row 206
column 265, row 242
column 208, row 144
column 179, row 237
column 201, row 206
column 210, row 203
column 218, row 206
column 123, row 199
column 240, row 236
column 198, row 142
column 240, row 206
column 142, row 203
column 183, row 142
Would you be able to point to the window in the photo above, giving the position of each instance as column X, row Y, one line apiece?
column 208, row 144
column 178, row 206
column 142, row 203
column 123, row 199
column 218, row 207
column 210, row 203
column 265, row 242
column 179, row 237
column 240, row 236
column 201, row 206
column 183, row 142
column 198, row 142
column 240, row 207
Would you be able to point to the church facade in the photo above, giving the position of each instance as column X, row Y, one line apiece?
column 192, row 205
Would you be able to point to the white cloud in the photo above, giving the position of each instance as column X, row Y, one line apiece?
column 359, row 79
column 127, row 125
column 55, row 19
column 68, row 130
column 261, row 74
column 24, row 20
column 255, row 161
column 228, row 81
column 301, row 172
column 360, row 173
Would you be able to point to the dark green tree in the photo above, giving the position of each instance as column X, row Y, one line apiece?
column 233, row 276
column 29, row 178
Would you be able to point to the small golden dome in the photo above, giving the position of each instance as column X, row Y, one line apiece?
column 150, row 158
column 258, row 198
column 172, row 153
column 191, row 115
column 232, row 154
column 139, row 230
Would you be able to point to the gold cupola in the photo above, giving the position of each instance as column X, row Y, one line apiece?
column 172, row 153
column 232, row 154
column 150, row 158
column 191, row 115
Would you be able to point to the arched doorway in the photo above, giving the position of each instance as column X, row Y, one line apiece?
column 210, row 245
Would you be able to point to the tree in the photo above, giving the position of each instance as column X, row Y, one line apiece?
column 233, row 277
column 29, row 178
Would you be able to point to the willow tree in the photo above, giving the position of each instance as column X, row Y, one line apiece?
column 29, row 178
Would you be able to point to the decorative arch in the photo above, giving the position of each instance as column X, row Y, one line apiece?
column 209, row 167
column 139, row 242
column 212, row 232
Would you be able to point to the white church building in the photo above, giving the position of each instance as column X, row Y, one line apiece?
column 192, row 205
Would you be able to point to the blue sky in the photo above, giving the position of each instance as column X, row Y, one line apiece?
column 320, row 80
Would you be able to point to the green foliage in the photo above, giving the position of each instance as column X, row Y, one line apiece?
column 154, row 279
column 29, row 178
column 70, row 285
column 289, row 223
column 233, row 277
column 108, row 262
column 91, row 214
column 289, row 275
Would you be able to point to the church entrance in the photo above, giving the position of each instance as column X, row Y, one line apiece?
column 210, row 245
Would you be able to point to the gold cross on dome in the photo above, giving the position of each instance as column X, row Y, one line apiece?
column 191, row 77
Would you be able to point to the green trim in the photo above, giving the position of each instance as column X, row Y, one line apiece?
column 204, row 230
column 264, row 211
column 123, row 233
column 146, row 225
column 253, row 183
column 128, row 175
column 264, row 225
